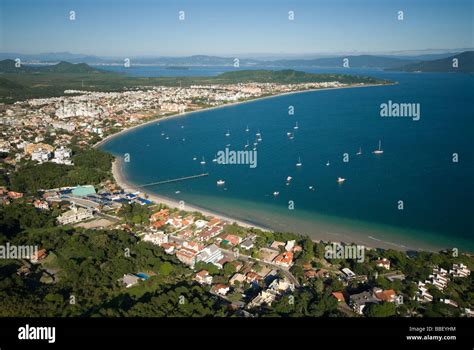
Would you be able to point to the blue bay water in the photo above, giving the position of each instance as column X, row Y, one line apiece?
column 416, row 166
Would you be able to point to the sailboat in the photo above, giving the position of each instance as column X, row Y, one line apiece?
column 299, row 162
column 203, row 161
column 379, row 150
column 327, row 164
column 215, row 159
column 296, row 127
column 360, row 151
column 247, row 129
column 247, row 144
column 227, row 133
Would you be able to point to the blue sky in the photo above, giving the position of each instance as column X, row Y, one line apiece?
column 233, row 27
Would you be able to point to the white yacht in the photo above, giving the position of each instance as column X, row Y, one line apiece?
column 299, row 162
column 379, row 150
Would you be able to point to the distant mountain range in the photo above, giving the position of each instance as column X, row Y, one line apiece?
column 445, row 64
column 465, row 64
column 8, row 66
column 378, row 61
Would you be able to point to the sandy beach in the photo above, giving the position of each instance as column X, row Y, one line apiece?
column 322, row 235
column 324, row 232
column 119, row 177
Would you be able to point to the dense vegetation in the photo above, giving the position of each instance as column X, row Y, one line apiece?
column 465, row 64
column 32, row 82
column 91, row 166
column 87, row 266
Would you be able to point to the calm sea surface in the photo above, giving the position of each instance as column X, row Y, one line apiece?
column 416, row 166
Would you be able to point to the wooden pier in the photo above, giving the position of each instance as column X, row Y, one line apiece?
column 174, row 180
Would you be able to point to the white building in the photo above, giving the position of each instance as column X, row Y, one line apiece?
column 460, row 270
column 75, row 215
column 40, row 155
column 211, row 254
column 62, row 153
column 156, row 238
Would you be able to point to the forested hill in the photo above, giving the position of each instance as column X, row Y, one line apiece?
column 465, row 64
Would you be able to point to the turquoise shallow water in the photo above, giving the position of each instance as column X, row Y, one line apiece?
column 416, row 166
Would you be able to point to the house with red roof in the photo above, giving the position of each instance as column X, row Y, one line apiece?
column 285, row 259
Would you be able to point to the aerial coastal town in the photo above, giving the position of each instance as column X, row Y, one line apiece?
column 89, row 116
column 52, row 174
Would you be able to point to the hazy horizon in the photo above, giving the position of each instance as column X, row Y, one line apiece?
column 247, row 28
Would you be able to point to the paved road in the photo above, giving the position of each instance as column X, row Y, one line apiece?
column 244, row 257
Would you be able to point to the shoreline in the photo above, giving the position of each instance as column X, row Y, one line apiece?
column 344, row 236
column 118, row 175
column 185, row 114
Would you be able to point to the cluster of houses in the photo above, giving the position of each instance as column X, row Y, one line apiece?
column 41, row 152
column 89, row 114
column 197, row 240
column 440, row 278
